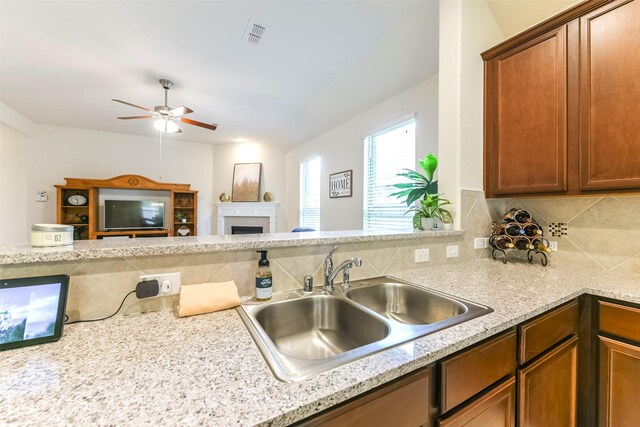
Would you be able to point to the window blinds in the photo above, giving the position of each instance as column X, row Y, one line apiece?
column 385, row 154
column 310, row 193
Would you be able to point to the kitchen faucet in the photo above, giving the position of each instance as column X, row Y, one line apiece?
column 330, row 273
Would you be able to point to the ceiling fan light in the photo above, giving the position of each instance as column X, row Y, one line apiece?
column 166, row 126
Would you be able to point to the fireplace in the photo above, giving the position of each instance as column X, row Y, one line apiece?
column 247, row 214
column 246, row 229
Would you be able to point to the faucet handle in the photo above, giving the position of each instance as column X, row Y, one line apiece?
column 308, row 284
column 357, row 262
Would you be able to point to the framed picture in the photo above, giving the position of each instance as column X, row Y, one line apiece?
column 340, row 184
column 246, row 182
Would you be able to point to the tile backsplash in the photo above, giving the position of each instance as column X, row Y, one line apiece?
column 593, row 232
column 98, row 286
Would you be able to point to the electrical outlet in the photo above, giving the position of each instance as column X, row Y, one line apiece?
column 486, row 242
column 478, row 243
column 422, row 255
column 452, row 251
column 169, row 283
column 553, row 245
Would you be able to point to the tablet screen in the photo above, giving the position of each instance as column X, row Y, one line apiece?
column 32, row 310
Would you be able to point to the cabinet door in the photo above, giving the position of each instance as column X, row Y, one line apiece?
column 547, row 388
column 610, row 97
column 619, row 383
column 526, row 117
column 495, row 408
column 406, row 402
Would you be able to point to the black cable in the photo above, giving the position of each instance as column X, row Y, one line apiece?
column 104, row 318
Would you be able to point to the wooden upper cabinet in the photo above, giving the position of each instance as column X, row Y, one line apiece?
column 526, row 106
column 610, row 96
column 562, row 104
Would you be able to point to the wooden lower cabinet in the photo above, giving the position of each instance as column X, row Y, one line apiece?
column 547, row 389
column 619, row 383
column 494, row 408
column 406, row 402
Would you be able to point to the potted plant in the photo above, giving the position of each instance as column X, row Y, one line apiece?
column 424, row 189
column 181, row 217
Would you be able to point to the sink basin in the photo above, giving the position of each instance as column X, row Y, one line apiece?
column 318, row 327
column 304, row 335
column 406, row 304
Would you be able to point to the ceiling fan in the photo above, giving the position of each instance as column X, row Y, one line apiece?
column 167, row 118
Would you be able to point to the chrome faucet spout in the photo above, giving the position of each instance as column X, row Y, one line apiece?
column 344, row 266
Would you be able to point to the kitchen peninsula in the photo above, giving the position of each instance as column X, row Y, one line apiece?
column 206, row 369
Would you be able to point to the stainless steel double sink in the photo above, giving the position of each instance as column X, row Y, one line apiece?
column 303, row 335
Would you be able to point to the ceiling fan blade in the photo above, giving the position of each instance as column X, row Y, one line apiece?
column 195, row 123
column 180, row 111
column 135, row 117
column 132, row 105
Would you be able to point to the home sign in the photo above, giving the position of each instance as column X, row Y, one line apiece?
column 340, row 184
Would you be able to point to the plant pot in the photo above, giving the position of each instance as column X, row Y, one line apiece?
column 447, row 226
column 184, row 220
column 427, row 223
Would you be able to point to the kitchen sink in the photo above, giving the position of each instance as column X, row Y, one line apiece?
column 318, row 327
column 407, row 304
column 303, row 335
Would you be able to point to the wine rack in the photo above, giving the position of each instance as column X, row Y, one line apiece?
column 518, row 231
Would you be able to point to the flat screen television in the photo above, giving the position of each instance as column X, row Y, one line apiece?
column 133, row 214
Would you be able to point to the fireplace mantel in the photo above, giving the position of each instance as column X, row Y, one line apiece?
column 247, row 209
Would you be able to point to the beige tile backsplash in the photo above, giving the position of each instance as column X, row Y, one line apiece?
column 603, row 234
column 98, row 286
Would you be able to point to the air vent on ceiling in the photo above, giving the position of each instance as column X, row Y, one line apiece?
column 255, row 32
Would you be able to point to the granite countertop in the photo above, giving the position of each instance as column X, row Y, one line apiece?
column 156, row 369
column 24, row 253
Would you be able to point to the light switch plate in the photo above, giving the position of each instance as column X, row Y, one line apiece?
column 422, row 255
column 553, row 245
column 478, row 243
column 452, row 251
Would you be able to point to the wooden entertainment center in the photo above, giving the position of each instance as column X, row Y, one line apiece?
column 83, row 215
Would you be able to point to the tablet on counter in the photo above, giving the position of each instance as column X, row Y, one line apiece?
column 32, row 310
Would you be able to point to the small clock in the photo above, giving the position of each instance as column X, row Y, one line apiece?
column 77, row 200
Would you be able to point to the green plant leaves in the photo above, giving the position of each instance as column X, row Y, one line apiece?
column 429, row 165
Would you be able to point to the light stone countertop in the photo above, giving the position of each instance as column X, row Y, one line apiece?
column 205, row 370
column 24, row 253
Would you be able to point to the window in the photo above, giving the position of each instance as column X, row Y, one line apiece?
column 385, row 154
column 310, row 193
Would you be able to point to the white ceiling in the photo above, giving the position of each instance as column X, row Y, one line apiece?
column 321, row 63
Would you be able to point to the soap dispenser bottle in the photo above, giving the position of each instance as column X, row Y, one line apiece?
column 264, row 281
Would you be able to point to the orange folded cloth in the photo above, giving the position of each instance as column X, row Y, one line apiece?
column 207, row 298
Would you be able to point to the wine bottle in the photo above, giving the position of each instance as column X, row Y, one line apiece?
column 510, row 215
column 501, row 242
column 512, row 229
column 522, row 217
column 532, row 230
column 539, row 245
column 522, row 243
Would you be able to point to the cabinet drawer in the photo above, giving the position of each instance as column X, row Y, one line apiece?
column 620, row 320
column 473, row 370
column 539, row 334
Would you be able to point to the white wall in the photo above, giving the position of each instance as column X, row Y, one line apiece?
column 53, row 153
column 272, row 179
column 467, row 28
column 13, row 184
column 342, row 148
